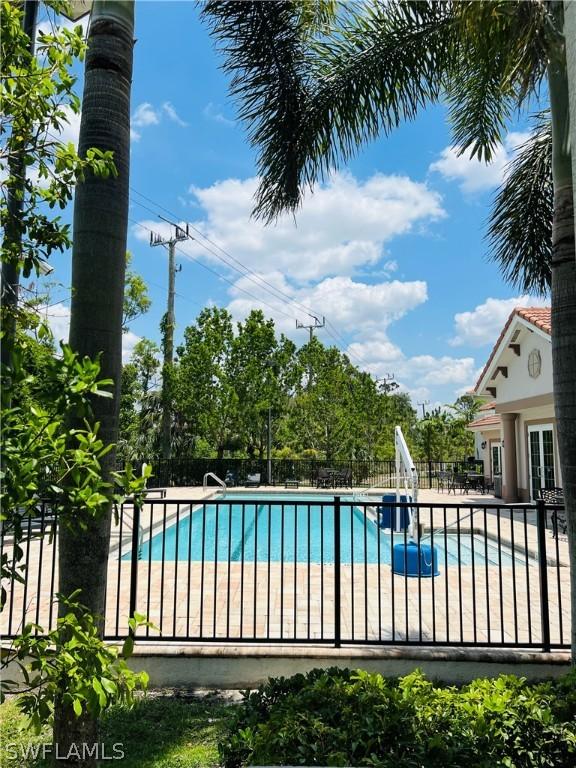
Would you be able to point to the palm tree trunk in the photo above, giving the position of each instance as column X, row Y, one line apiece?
column 98, row 265
column 564, row 305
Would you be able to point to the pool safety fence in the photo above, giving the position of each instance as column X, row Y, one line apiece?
column 316, row 570
column 186, row 472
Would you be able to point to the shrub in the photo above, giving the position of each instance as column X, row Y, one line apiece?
column 354, row 718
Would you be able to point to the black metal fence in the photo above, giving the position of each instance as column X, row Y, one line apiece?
column 190, row 472
column 326, row 570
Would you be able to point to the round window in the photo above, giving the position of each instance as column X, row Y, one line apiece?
column 534, row 363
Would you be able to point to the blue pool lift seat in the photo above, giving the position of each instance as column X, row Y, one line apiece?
column 387, row 517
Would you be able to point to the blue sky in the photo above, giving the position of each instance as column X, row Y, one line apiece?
column 390, row 250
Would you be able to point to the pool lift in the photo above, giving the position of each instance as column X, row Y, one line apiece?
column 412, row 557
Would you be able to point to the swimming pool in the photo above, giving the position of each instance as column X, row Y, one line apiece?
column 288, row 528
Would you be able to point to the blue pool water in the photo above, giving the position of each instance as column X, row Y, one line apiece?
column 263, row 530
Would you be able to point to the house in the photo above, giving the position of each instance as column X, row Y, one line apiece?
column 515, row 431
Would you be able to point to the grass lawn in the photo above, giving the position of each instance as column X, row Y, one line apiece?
column 159, row 732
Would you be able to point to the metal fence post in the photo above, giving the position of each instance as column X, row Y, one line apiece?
column 543, row 572
column 134, row 558
column 337, row 567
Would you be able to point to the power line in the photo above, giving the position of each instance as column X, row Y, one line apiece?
column 253, row 277
column 341, row 342
column 246, row 271
column 219, row 276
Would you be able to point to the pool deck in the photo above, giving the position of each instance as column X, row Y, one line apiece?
column 280, row 604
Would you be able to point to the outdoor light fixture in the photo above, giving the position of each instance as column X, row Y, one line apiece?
column 76, row 9
column 44, row 267
column 483, row 444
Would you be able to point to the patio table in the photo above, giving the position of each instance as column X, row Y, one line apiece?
column 477, row 481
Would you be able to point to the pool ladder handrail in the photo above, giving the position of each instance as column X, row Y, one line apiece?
column 220, row 482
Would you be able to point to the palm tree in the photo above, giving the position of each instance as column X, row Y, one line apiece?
column 98, row 266
column 313, row 106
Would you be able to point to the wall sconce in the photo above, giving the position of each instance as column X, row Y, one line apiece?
column 483, row 445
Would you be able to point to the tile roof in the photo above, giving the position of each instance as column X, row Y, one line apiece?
column 488, row 406
column 485, row 421
column 541, row 317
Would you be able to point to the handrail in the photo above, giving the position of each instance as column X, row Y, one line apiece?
column 220, row 482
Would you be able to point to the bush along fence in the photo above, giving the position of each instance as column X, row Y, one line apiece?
column 334, row 570
column 190, row 472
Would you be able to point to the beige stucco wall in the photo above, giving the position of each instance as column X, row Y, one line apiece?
column 533, row 416
column 486, row 436
column 519, row 384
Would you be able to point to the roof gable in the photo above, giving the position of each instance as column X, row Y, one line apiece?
column 537, row 317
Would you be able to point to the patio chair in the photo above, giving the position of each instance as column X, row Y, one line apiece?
column 459, row 480
column 253, row 481
column 343, row 479
column 444, row 479
column 555, row 497
column 325, row 478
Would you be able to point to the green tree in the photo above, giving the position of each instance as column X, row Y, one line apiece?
column 205, row 392
column 139, row 419
column 136, row 299
column 145, row 356
column 466, row 408
column 378, row 65
column 37, row 93
column 260, row 375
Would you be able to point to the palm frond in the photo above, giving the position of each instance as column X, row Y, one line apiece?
column 263, row 46
column 520, row 225
column 502, row 54
column 311, row 103
column 377, row 68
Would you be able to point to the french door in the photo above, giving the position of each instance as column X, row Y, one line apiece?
column 541, row 454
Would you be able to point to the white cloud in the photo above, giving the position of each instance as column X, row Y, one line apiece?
column 474, row 175
column 352, row 308
column 58, row 317
column 483, row 324
column 168, row 108
column 335, row 260
column 214, row 113
column 422, row 376
column 146, row 115
column 70, row 130
column 129, row 341
column 341, row 227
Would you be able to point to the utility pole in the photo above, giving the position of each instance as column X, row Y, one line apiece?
column 385, row 379
column 424, row 404
column 311, row 327
column 168, row 331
